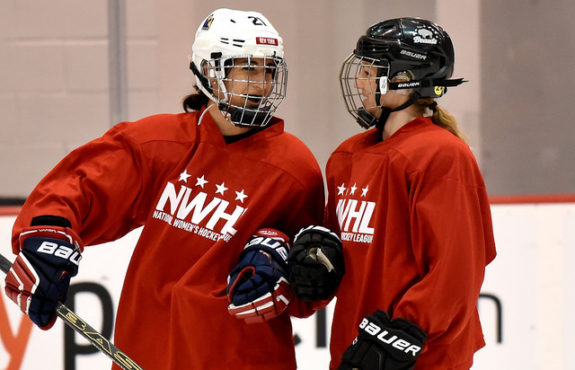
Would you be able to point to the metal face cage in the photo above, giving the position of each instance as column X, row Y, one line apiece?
column 363, row 80
column 248, row 90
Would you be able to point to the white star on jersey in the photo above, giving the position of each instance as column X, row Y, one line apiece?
column 341, row 189
column 184, row 176
column 201, row 181
column 353, row 189
column 364, row 191
column 221, row 188
column 240, row 195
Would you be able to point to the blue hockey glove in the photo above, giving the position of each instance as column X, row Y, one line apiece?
column 40, row 275
column 257, row 287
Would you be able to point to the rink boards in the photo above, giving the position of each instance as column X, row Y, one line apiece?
column 525, row 305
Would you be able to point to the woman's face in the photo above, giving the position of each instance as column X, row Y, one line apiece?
column 367, row 82
column 250, row 82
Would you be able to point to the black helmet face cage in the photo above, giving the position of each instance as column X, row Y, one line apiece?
column 247, row 90
column 363, row 80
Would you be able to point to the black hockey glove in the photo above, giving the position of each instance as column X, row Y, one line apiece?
column 258, row 289
column 384, row 344
column 40, row 275
column 315, row 263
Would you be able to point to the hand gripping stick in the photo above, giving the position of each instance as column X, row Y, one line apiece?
column 88, row 332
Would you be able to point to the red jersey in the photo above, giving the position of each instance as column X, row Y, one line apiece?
column 199, row 199
column 414, row 218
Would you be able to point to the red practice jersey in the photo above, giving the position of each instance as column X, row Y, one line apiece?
column 414, row 218
column 199, row 199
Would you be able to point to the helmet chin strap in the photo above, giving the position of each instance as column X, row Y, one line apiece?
column 243, row 117
column 385, row 111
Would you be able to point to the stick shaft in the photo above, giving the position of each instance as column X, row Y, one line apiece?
column 84, row 329
column 5, row 264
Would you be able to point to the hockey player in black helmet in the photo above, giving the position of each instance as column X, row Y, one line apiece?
column 409, row 203
column 409, row 56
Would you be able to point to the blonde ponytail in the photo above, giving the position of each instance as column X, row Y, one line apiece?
column 442, row 118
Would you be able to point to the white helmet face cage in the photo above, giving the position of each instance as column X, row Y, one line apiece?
column 247, row 90
column 363, row 80
column 238, row 63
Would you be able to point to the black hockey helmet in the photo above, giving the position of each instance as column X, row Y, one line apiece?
column 419, row 48
column 414, row 45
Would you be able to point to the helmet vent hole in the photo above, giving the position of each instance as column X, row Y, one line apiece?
column 235, row 42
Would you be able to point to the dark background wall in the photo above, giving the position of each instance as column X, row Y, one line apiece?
column 528, row 79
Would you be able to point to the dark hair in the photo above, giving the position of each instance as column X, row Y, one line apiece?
column 195, row 101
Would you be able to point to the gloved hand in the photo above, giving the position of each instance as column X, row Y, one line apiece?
column 384, row 344
column 257, row 287
column 40, row 275
column 315, row 263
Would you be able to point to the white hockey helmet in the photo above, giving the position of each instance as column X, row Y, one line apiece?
column 225, row 36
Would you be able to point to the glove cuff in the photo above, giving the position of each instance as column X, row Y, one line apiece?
column 271, row 241
column 316, row 229
column 65, row 234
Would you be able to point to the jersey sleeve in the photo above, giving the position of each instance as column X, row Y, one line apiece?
column 313, row 202
column 306, row 207
column 452, row 241
column 97, row 187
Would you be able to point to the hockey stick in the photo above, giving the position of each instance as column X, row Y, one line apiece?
column 88, row 332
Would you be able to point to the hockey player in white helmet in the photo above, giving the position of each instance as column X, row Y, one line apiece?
column 207, row 286
column 238, row 64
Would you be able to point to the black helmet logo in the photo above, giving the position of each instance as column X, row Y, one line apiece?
column 425, row 36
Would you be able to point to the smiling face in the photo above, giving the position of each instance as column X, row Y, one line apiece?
column 247, row 90
column 366, row 82
column 249, row 82
column 363, row 80
column 365, row 88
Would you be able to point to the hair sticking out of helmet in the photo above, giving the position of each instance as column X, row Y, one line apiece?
column 238, row 64
column 417, row 50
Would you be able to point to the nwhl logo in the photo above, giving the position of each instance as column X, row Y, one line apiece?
column 354, row 215
column 211, row 217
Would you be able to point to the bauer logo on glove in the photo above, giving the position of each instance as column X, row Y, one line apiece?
column 48, row 257
column 258, row 289
column 61, row 251
column 384, row 344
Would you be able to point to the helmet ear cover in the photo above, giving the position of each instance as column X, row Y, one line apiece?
column 200, row 76
column 200, row 72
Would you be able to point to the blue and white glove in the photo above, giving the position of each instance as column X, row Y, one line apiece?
column 40, row 275
column 257, row 287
